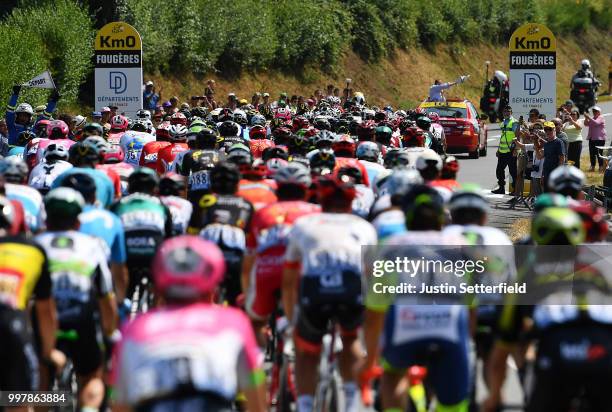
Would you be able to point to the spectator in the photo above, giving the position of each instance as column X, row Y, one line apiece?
column 232, row 101
column 149, row 97
column 607, row 180
column 573, row 129
column 255, row 99
column 96, row 117
column 554, row 151
column 596, row 136
column 330, row 91
column 210, row 88
column 610, row 76
column 336, row 92
column 3, row 128
column 174, row 101
column 534, row 149
column 533, row 115
column 559, row 131
column 106, row 115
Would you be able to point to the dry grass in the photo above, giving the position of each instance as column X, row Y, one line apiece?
column 520, row 229
column 403, row 79
column 592, row 178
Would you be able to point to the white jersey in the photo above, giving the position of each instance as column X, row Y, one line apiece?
column 373, row 169
column 363, row 201
column 328, row 244
column 44, row 174
column 32, row 202
column 413, row 154
column 131, row 143
column 176, row 164
column 181, row 210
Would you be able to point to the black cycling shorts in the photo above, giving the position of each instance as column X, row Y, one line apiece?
column 319, row 304
column 86, row 351
column 18, row 360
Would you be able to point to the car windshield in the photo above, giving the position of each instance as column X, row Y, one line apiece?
column 445, row 111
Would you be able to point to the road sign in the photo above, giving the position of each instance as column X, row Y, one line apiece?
column 533, row 70
column 118, row 68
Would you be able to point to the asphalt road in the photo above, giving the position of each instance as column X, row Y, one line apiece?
column 482, row 172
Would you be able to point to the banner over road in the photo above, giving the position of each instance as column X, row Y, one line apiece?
column 533, row 70
column 118, row 68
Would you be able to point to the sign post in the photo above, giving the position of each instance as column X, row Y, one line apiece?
column 118, row 68
column 533, row 70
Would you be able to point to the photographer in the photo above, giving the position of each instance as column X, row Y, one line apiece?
column 573, row 129
column 533, row 145
column 554, row 151
column 596, row 136
column 149, row 97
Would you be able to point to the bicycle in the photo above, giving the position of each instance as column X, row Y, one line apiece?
column 329, row 396
column 142, row 298
column 65, row 380
column 280, row 352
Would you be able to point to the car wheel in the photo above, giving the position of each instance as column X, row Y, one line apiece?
column 475, row 154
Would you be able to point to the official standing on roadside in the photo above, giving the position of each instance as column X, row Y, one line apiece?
column 505, row 153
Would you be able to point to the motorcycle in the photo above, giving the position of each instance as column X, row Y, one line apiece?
column 495, row 95
column 584, row 93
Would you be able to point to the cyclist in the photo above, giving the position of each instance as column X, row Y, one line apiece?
column 567, row 181
column 55, row 163
column 409, row 337
column 82, row 288
column 99, row 222
column 85, row 156
column 368, row 154
column 267, row 239
column 254, row 187
column 166, row 155
column 113, row 165
column 24, row 273
column 172, row 192
column 146, row 223
column 57, row 132
column 223, row 217
column 214, row 344
column 118, row 126
column 15, row 174
column 448, row 175
column 150, row 150
column 132, row 144
column 323, row 258
column 103, row 148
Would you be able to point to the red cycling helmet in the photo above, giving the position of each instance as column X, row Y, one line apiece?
column 258, row 132
column 282, row 113
column 451, row 165
column 187, row 267
column 281, row 136
column 120, row 123
column 366, row 130
column 344, row 146
column 419, row 110
column 593, row 220
column 57, row 129
column 435, row 117
column 257, row 169
column 299, row 123
column 333, row 185
column 413, row 137
column 178, row 118
column 113, row 155
column 163, row 131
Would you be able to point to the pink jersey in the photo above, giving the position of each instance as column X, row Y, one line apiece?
column 40, row 146
column 210, row 347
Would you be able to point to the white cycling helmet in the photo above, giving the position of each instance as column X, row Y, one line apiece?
column 585, row 63
column 79, row 121
column 24, row 108
column 566, row 178
column 143, row 114
column 294, row 173
column 428, row 157
column 177, row 132
column 56, row 152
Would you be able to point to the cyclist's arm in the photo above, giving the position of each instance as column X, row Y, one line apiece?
column 106, row 297
column 118, row 268
column 10, row 117
column 291, row 276
column 47, row 325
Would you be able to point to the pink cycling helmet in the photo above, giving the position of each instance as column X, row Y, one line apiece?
column 435, row 117
column 187, row 267
column 57, row 129
column 119, row 122
column 113, row 155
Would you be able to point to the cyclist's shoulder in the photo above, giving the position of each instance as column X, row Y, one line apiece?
column 13, row 189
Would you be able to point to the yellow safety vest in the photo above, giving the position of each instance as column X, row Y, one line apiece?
column 507, row 135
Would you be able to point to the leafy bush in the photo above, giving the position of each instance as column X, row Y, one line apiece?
column 63, row 36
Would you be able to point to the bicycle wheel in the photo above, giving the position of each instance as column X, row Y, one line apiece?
column 330, row 396
column 66, row 382
column 286, row 396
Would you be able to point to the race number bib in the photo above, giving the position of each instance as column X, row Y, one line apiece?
column 199, row 180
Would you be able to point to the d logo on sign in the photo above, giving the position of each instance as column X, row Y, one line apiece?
column 532, row 83
column 117, row 82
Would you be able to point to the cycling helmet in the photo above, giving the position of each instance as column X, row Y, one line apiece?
column 585, row 64
column 282, row 113
column 112, row 155
column 351, row 171
column 258, row 120
column 257, row 169
column 366, row 130
column 321, row 123
column 82, row 153
column 14, row 169
column 100, row 143
column 344, row 146
column 240, row 117
column 257, row 132
column 143, row 180
column 40, row 127
column 383, row 135
column 293, row 173
column 205, row 139
column 275, row 164
column 468, row 199
column 434, row 117
column 324, row 139
column 546, row 200
column 57, row 129
column 429, row 158
column 178, row 118
column 119, row 122
column 281, row 136
column 224, row 177
column 93, row 129
column 229, row 129
column 368, row 151
column 24, row 108
column 300, row 122
column 450, row 166
column 7, row 213
column 79, row 121
column 143, row 114
column 276, row 152
column 424, row 123
column 239, row 154
column 187, row 267
column 63, row 204
column 566, row 180
column 139, row 125
column 380, row 116
column 420, row 201
column 82, row 183
column 225, row 115
column 335, row 187
column 593, row 220
column 56, row 152
column 401, row 180
column 322, row 161
column 172, row 184
column 177, row 133
column 24, row 137
column 557, row 226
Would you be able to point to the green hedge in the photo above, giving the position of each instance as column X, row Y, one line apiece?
column 55, row 35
